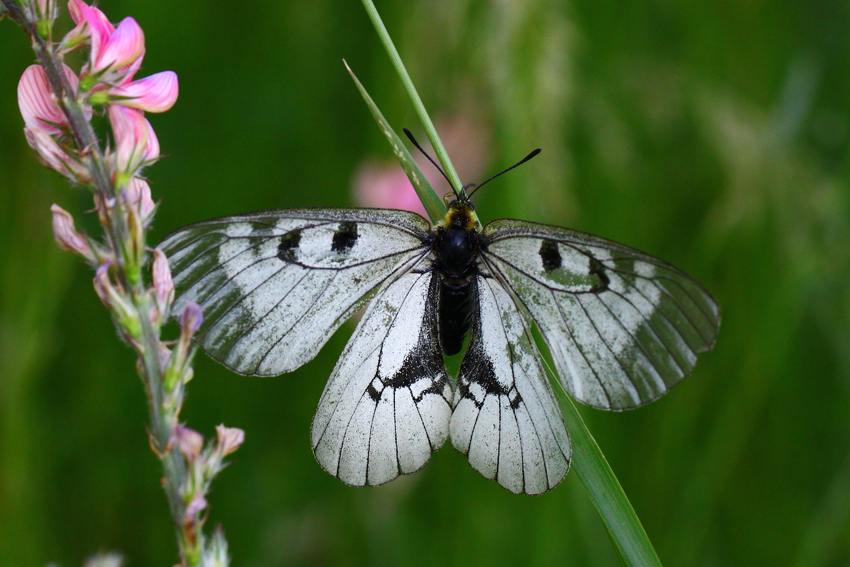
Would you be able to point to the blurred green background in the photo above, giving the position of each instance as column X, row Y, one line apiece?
column 711, row 134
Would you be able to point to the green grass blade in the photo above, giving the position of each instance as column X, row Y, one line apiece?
column 434, row 206
column 430, row 131
column 630, row 539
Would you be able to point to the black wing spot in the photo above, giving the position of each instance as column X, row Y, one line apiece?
column 598, row 270
column 516, row 400
column 345, row 237
column 550, row 255
column 374, row 393
column 287, row 250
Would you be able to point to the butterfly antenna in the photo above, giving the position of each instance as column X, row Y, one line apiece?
column 424, row 153
column 519, row 163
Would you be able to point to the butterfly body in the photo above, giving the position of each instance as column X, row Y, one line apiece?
column 455, row 247
column 622, row 328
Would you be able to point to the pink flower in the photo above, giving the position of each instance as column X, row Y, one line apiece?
column 229, row 439
column 135, row 141
column 92, row 25
column 156, row 93
column 67, row 236
column 37, row 103
column 52, row 156
column 190, row 442
column 121, row 49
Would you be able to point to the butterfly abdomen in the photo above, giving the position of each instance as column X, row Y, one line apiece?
column 456, row 249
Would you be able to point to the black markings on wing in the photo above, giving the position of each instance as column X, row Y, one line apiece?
column 506, row 419
column 623, row 327
column 271, row 285
column 287, row 249
column 387, row 405
column 345, row 237
column 549, row 255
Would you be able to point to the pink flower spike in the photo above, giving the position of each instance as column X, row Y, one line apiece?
column 156, row 93
column 122, row 48
column 229, row 439
column 67, row 236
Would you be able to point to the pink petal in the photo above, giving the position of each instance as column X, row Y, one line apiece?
column 92, row 23
column 126, row 74
column 139, row 198
column 135, row 140
column 66, row 235
column 156, row 93
column 36, row 102
column 124, row 46
column 229, row 438
column 48, row 151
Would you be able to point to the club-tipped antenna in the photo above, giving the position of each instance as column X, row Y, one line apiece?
column 424, row 153
column 519, row 163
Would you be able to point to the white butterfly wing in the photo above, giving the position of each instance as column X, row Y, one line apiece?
column 387, row 404
column 275, row 285
column 623, row 327
column 506, row 419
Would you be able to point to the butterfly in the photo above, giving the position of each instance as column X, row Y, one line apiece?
column 622, row 328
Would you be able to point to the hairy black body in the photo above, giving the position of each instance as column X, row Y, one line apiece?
column 456, row 244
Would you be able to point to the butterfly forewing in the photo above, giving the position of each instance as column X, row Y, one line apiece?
column 387, row 404
column 274, row 286
column 623, row 327
column 506, row 418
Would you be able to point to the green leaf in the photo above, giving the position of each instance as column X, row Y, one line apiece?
column 430, row 131
column 627, row 533
column 434, row 205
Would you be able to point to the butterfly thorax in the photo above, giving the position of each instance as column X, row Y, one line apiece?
column 456, row 249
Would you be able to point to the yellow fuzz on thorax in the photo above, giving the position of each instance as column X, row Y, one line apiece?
column 461, row 216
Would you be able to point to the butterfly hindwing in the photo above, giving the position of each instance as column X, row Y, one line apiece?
column 623, row 327
column 387, row 404
column 274, row 286
column 506, row 419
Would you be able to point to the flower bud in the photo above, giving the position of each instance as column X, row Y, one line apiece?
column 138, row 198
column 190, row 320
column 229, row 439
column 196, row 505
column 123, row 311
column 136, row 143
column 190, row 442
column 66, row 235
column 163, row 286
